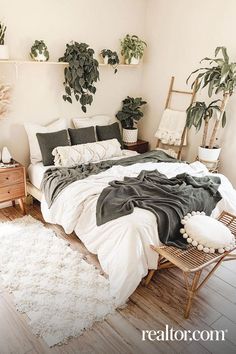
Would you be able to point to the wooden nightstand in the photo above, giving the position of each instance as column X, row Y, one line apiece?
column 140, row 146
column 13, row 185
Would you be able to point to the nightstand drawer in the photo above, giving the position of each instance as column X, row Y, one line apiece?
column 12, row 192
column 11, row 177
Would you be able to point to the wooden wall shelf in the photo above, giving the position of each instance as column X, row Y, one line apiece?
column 16, row 62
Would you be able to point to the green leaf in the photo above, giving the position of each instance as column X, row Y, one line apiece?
column 224, row 120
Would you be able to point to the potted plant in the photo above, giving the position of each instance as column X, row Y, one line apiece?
column 129, row 115
column 4, row 53
column 132, row 48
column 81, row 74
column 39, row 51
column 111, row 58
column 218, row 78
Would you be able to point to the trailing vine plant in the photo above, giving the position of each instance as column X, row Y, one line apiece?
column 81, row 74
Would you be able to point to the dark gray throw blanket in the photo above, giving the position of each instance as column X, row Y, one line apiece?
column 169, row 199
column 57, row 178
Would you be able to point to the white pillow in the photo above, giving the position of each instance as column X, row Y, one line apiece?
column 32, row 129
column 69, row 156
column 85, row 122
column 206, row 233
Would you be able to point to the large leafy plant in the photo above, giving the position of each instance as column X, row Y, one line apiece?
column 132, row 46
column 130, row 112
column 2, row 32
column 81, row 74
column 113, row 58
column 218, row 78
column 199, row 113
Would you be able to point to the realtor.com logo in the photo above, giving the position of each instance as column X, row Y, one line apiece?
column 170, row 334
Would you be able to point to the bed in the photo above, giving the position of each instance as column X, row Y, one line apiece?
column 122, row 245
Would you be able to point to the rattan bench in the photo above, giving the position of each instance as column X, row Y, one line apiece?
column 193, row 261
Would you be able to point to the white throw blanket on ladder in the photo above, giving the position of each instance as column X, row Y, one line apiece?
column 171, row 127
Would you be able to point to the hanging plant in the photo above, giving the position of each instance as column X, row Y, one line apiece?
column 110, row 58
column 81, row 74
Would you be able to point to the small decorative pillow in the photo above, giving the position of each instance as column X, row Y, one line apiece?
column 111, row 131
column 48, row 142
column 82, row 135
column 69, row 156
column 206, row 233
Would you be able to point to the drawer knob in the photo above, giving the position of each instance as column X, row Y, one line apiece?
column 7, row 177
column 8, row 192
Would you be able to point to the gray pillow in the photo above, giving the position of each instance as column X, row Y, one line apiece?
column 111, row 131
column 82, row 135
column 49, row 141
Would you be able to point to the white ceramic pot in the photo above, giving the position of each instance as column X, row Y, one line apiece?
column 4, row 52
column 133, row 61
column 130, row 135
column 40, row 56
column 105, row 60
column 6, row 156
column 210, row 155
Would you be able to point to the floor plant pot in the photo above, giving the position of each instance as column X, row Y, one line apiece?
column 4, row 52
column 130, row 135
column 207, row 154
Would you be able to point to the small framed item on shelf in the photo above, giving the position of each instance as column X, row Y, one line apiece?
column 13, row 184
column 141, row 146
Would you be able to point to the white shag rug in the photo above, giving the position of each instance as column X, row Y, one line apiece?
column 61, row 293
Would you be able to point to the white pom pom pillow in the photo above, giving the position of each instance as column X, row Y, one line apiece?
column 207, row 234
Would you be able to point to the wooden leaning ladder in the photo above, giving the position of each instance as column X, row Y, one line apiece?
column 172, row 91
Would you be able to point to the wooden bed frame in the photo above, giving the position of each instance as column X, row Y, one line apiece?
column 33, row 191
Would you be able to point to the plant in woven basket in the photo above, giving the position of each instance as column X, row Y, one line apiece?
column 218, row 78
column 4, row 99
column 2, row 33
column 112, row 58
column 132, row 47
column 81, row 74
column 39, row 51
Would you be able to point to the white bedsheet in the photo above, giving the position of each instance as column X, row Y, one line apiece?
column 35, row 173
column 122, row 245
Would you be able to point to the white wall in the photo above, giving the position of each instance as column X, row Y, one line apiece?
column 180, row 33
column 38, row 88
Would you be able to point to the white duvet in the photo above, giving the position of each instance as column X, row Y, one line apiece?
column 122, row 245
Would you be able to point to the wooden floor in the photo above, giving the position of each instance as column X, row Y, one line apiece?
column 149, row 308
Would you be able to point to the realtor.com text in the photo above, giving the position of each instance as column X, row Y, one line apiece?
column 170, row 334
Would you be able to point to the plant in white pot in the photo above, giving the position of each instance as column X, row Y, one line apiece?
column 129, row 115
column 4, row 53
column 132, row 48
column 218, row 78
column 39, row 51
column 111, row 58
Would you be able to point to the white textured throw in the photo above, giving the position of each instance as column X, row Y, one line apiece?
column 171, row 127
column 60, row 293
column 69, row 156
